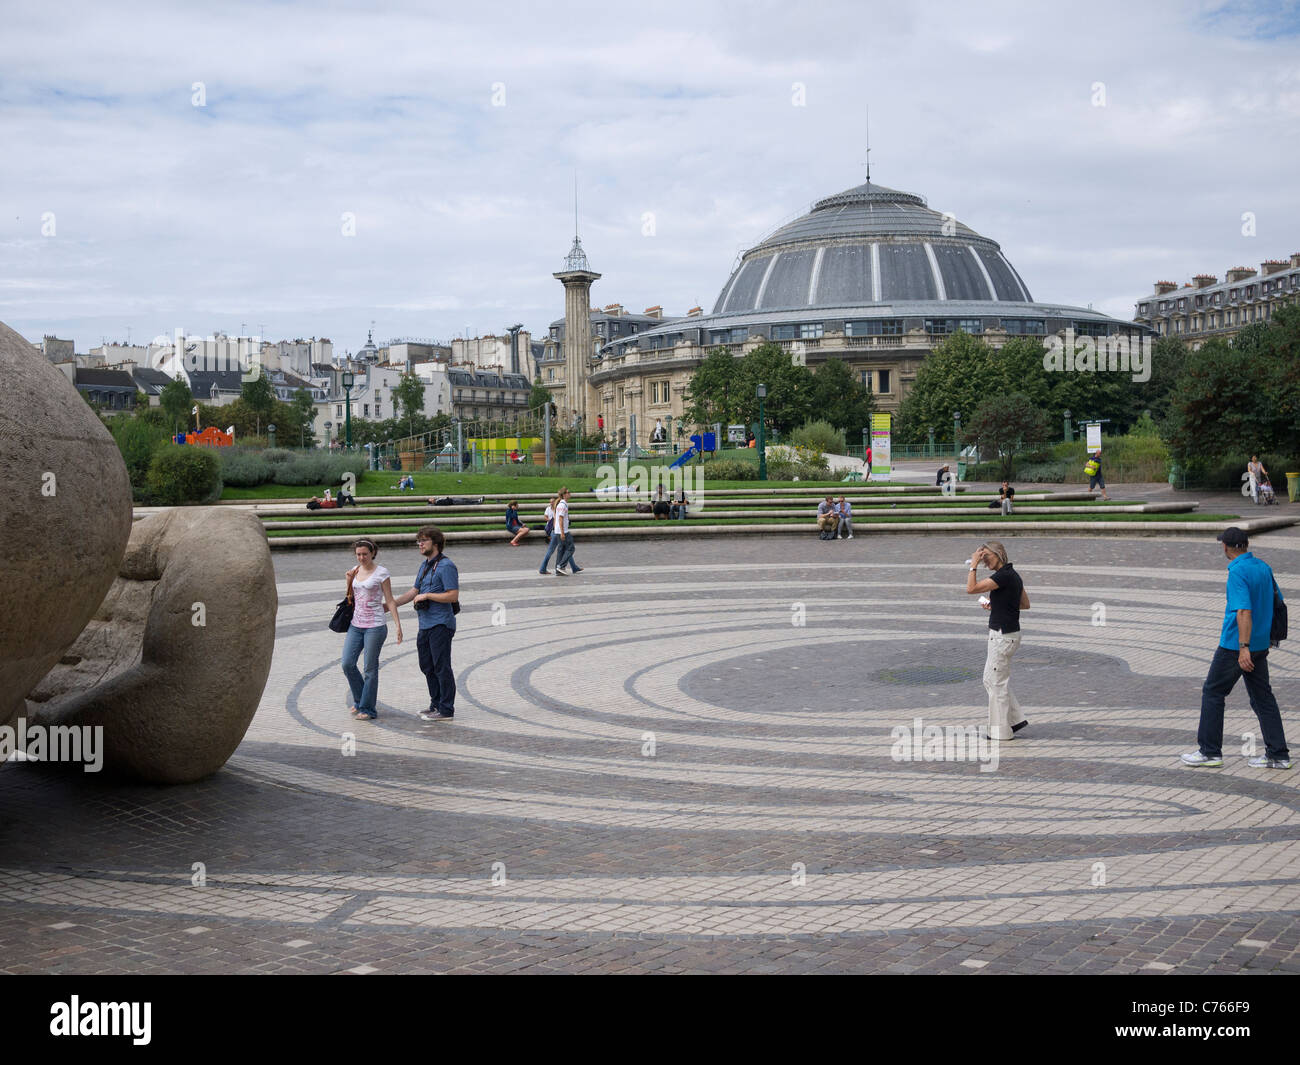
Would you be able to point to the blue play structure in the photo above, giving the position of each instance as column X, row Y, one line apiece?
column 699, row 442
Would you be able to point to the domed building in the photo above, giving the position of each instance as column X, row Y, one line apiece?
column 870, row 276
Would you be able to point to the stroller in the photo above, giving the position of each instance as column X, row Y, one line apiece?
column 1266, row 497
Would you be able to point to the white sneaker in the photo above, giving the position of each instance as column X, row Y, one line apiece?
column 1263, row 761
column 1197, row 759
column 849, row 537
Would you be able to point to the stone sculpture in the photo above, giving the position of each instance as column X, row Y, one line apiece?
column 181, row 616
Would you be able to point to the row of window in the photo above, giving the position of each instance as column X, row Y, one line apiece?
column 1235, row 295
column 874, row 327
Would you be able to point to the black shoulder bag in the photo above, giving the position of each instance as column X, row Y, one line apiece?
column 1277, row 633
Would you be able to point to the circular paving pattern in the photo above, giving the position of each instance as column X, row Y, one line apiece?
column 689, row 742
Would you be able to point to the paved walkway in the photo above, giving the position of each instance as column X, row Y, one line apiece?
column 683, row 759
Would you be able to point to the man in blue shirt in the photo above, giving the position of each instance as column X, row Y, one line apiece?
column 437, row 587
column 1243, row 650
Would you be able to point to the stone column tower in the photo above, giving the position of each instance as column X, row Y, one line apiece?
column 577, row 277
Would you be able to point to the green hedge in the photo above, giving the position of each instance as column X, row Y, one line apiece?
column 181, row 474
column 731, row 470
column 242, row 468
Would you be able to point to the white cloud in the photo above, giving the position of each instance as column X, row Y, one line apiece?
column 170, row 214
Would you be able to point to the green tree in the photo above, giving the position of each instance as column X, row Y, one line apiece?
column 177, row 401
column 1005, row 424
column 409, row 398
column 956, row 375
column 303, row 408
column 841, row 399
column 538, row 397
column 259, row 397
column 789, row 388
column 713, row 394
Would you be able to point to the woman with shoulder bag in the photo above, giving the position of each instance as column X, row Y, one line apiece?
column 370, row 588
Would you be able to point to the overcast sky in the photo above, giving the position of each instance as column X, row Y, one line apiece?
column 453, row 137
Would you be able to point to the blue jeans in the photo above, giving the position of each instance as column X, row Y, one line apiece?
column 434, row 647
column 365, row 691
column 552, row 547
column 1222, row 678
column 566, row 555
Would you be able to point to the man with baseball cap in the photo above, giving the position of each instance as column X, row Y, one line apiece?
column 1243, row 650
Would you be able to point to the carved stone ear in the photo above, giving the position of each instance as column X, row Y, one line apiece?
column 65, row 516
column 173, row 664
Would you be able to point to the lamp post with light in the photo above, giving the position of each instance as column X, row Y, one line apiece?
column 956, row 432
column 349, row 379
column 762, row 438
column 328, row 439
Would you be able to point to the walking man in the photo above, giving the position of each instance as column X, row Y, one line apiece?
column 564, row 530
column 1243, row 650
column 436, row 593
column 1095, row 478
column 1007, row 597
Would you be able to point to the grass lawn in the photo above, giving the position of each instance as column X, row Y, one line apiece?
column 475, row 484
column 359, row 529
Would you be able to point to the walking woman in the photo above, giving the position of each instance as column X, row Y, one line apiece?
column 1006, row 593
column 553, row 542
column 371, row 589
column 513, row 523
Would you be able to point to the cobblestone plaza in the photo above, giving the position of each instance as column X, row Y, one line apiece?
column 683, row 760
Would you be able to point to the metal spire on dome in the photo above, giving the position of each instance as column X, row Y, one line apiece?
column 868, row 110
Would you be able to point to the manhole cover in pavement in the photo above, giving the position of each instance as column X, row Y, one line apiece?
column 925, row 675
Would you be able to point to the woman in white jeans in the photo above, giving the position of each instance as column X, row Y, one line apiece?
column 1007, row 597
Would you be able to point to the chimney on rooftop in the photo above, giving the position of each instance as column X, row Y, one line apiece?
column 1240, row 273
column 654, row 312
column 1205, row 280
column 1164, row 286
column 695, row 312
column 1272, row 266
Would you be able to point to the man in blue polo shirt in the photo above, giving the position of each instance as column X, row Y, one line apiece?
column 1243, row 650
column 436, row 591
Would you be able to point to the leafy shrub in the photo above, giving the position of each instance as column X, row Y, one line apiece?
column 781, row 470
column 731, row 470
column 180, row 474
column 807, row 471
column 312, row 468
column 277, row 455
column 1042, row 472
column 138, row 440
column 819, row 436
column 243, row 469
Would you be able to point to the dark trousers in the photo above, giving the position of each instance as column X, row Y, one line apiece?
column 1221, row 679
column 434, row 646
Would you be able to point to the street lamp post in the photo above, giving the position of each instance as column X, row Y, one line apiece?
column 956, row 432
column 762, row 439
column 1069, row 429
column 328, row 440
column 270, row 435
column 930, row 431
column 349, row 379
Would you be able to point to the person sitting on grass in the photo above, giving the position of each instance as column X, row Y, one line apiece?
column 514, row 524
column 405, row 484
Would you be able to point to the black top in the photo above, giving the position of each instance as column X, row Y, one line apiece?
column 1004, row 600
column 1007, row 493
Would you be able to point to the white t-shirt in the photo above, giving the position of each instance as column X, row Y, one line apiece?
column 368, row 599
column 562, row 517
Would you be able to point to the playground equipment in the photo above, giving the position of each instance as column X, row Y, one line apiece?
column 210, row 437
